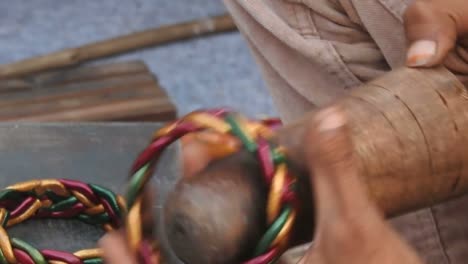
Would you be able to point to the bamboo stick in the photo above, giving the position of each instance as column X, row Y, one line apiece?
column 122, row 44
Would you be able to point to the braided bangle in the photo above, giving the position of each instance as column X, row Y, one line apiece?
column 98, row 206
column 62, row 198
column 281, row 204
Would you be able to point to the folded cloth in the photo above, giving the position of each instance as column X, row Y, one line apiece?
column 313, row 51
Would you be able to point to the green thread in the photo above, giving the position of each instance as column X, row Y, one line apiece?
column 64, row 204
column 109, row 196
column 278, row 157
column 135, row 185
column 250, row 145
column 37, row 257
column 93, row 261
column 5, row 220
column 10, row 194
column 273, row 231
column 98, row 219
column 53, row 196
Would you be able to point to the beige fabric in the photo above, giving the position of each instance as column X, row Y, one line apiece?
column 312, row 51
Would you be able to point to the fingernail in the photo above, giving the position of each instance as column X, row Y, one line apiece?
column 420, row 53
column 331, row 119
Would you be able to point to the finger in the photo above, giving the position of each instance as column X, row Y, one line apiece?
column 115, row 249
column 431, row 33
column 199, row 149
column 194, row 156
column 218, row 145
column 337, row 189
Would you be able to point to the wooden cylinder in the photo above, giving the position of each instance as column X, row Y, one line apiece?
column 410, row 134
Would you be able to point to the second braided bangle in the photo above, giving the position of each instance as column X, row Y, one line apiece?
column 52, row 198
column 255, row 137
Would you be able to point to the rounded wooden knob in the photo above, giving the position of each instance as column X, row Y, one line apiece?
column 218, row 215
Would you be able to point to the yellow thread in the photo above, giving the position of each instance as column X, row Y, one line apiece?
column 218, row 145
column 134, row 235
column 122, row 203
column 95, row 210
column 52, row 185
column 88, row 253
column 46, row 203
column 259, row 130
column 3, row 214
column 5, row 245
column 209, row 121
column 25, row 186
column 165, row 130
column 83, row 199
column 285, row 231
column 26, row 215
column 250, row 131
column 56, row 262
column 274, row 197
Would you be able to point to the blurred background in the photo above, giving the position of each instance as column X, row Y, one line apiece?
column 203, row 72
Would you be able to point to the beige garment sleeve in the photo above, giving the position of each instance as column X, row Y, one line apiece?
column 310, row 52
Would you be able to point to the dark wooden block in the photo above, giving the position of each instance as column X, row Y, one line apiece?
column 125, row 91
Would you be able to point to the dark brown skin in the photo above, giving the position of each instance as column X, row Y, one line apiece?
column 348, row 228
column 437, row 25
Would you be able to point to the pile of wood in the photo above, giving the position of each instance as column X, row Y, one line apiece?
column 117, row 92
column 125, row 91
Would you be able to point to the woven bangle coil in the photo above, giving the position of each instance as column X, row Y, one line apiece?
column 92, row 204
column 64, row 199
column 254, row 135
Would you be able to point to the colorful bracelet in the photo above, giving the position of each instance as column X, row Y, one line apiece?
column 281, row 204
column 63, row 199
column 98, row 206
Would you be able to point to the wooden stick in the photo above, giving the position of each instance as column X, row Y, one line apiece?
column 105, row 48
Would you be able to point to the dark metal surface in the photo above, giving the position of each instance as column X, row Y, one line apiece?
column 96, row 153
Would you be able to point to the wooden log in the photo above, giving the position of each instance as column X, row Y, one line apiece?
column 114, row 92
column 410, row 132
column 118, row 45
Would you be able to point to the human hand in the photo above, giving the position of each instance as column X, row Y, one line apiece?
column 433, row 28
column 349, row 228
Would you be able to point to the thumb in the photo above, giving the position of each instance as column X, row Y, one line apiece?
column 199, row 149
column 432, row 27
column 115, row 249
column 338, row 191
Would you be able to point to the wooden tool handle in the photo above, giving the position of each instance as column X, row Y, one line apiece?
column 410, row 132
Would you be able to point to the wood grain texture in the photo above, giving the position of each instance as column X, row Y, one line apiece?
column 414, row 154
column 125, row 91
column 417, row 105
